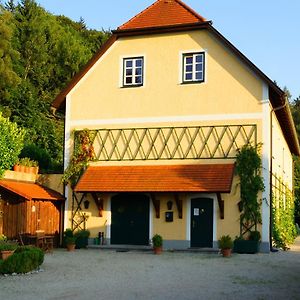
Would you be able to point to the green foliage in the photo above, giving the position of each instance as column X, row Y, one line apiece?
column 83, row 153
column 225, row 242
column 284, row 229
column 254, row 235
column 24, row 259
column 39, row 54
column 297, row 187
column 27, row 162
column 248, row 165
column 11, row 143
column 69, row 237
column 8, row 245
column 82, row 234
column 157, row 241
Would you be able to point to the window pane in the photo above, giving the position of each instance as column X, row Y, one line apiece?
column 188, row 76
column 199, row 58
column 128, row 80
column 188, row 59
column 138, row 62
column 138, row 71
column 138, row 79
column 128, row 72
column 189, row 68
column 128, row 63
column 199, row 75
column 199, row 67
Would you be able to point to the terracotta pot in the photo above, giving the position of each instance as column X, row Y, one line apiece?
column 70, row 247
column 16, row 168
column 226, row 252
column 157, row 250
column 22, row 169
column 6, row 254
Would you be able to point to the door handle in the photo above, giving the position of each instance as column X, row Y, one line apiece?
column 193, row 223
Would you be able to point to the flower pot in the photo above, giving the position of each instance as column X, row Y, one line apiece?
column 6, row 253
column 16, row 168
column 226, row 252
column 157, row 250
column 70, row 247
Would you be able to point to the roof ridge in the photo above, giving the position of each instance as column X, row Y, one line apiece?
column 202, row 19
column 141, row 12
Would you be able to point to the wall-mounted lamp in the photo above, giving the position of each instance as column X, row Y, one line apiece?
column 86, row 204
column 169, row 205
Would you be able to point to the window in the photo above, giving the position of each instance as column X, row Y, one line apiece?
column 193, row 67
column 133, row 71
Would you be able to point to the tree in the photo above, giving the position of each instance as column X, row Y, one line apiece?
column 11, row 143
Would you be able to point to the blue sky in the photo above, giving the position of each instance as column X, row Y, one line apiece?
column 266, row 31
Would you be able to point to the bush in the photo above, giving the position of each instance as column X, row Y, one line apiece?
column 25, row 259
column 254, row 235
column 157, row 240
column 225, row 242
column 8, row 245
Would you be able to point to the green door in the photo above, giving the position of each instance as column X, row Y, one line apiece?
column 202, row 222
column 130, row 219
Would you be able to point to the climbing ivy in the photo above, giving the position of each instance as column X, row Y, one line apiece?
column 248, row 166
column 284, row 229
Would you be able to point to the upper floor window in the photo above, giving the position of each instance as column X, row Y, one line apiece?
column 193, row 67
column 133, row 71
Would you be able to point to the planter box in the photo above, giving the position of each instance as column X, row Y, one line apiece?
column 246, row 246
column 81, row 242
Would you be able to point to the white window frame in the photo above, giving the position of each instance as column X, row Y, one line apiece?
column 133, row 68
column 193, row 72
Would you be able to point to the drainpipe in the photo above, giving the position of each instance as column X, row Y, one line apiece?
column 271, row 169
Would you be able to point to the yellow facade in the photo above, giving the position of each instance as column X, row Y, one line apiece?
column 231, row 95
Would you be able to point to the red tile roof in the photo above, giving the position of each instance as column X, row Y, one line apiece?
column 175, row 178
column 30, row 191
column 163, row 13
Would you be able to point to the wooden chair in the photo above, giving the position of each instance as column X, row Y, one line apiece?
column 40, row 239
column 20, row 239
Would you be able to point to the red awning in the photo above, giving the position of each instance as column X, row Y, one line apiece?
column 163, row 178
column 30, row 191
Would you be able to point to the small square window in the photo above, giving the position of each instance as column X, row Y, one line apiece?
column 133, row 71
column 193, row 67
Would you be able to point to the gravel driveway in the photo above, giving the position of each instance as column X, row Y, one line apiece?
column 107, row 274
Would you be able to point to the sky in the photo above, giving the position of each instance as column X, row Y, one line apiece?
column 266, row 31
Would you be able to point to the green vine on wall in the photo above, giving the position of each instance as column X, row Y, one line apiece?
column 248, row 167
column 82, row 155
column 284, row 229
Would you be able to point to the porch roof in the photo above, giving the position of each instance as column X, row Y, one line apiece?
column 163, row 178
column 30, row 190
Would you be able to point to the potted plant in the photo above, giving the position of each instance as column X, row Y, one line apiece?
column 225, row 244
column 82, row 237
column 157, row 242
column 7, row 248
column 69, row 239
column 249, row 245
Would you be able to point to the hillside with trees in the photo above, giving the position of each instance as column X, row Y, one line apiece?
column 39, row 54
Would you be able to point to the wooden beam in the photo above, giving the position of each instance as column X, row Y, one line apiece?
column 99, row 203
column 156, row 204
column 221, row 205
column 179, row 205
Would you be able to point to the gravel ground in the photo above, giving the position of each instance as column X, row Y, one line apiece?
column 107, row 274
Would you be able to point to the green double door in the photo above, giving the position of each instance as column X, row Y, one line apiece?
column 130, row 219
column 202, row 222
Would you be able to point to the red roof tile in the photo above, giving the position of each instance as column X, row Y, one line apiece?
column 175, row 178
column 30, row 191
column 163, row 13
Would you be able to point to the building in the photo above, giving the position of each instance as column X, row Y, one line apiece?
column 166, row 103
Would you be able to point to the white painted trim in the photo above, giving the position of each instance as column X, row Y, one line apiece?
column 108, row 220
column 92, row 68
column 215, row 213
column 151, row 216
column 67, row 154
column 191, row 118
column 266, row 163
column 188, row 218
